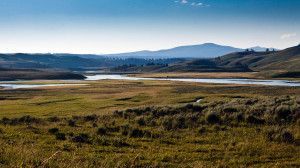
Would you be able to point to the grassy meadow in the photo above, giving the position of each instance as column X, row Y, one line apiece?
column 118, row 123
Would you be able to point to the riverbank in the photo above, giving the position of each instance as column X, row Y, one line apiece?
column 204, row 75
column 216, row 75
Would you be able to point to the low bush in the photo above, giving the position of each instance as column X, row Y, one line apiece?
column 29, row 119
column 53, row 119
column 81, row 138
column 71, row 123
column 78, row 139
column 286, row 136
column 119, row 142
column 5, row 120
column 282, row 112
column 201, row 130
column 135, row 132
column 253, row 120
column 279, row 135
column 60, row 136
column 141, row 121
column 166, row 122
column 90, row 117
column 240, row 117
column 53, row 130
column 22, row 120
column 112, row 129
column 230, row 110
column 212, row 118
column 101, row 131
column 178, row 122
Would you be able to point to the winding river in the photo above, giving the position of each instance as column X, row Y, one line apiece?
column 15, row 85
column 222, row 81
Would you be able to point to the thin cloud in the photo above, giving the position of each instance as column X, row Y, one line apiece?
column 182, row 1
column 286, row 36
column 192, row 4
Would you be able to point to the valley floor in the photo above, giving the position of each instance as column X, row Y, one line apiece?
column 117, row 123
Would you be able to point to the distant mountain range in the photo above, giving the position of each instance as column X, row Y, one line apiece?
column 207, row 50
column 284, row 63
column 75, row 61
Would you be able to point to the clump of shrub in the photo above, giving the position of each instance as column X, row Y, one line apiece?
column 112, row 128
column 125, row 129
column 22, row 120
column 53, row 130
column 1, row 131
column 53, row 119
column 5, row 120
column 240, row 117
column 253, row 120
column 279, row 135
column 90, row 117
column 71, row 123
column 101, row 131
column 135, row 133
column 174, row 122
column 212, row 118
column 119, row 142
column 166, row 122
column 141, row 121
column 286, row 136
column 282, row 112
column 178, row 122
column 201, row 130
column 71, row 134
column 60, row 136
column 28, row 119
column 81, row 138
column 230, row 110
column 118, row 113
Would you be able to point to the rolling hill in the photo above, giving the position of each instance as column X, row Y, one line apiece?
column 273, row 62
column 70, row 61
column 287, row 60
column 8, row 74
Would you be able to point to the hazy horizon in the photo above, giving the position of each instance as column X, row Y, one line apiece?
column 114, row 26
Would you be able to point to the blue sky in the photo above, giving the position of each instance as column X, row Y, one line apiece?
column 114, row 26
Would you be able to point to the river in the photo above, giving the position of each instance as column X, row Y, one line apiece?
column 15, row 85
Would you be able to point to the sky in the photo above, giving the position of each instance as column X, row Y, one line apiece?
column 116, row 26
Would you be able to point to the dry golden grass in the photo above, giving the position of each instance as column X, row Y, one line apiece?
column 105, row 96
column 32, row 145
